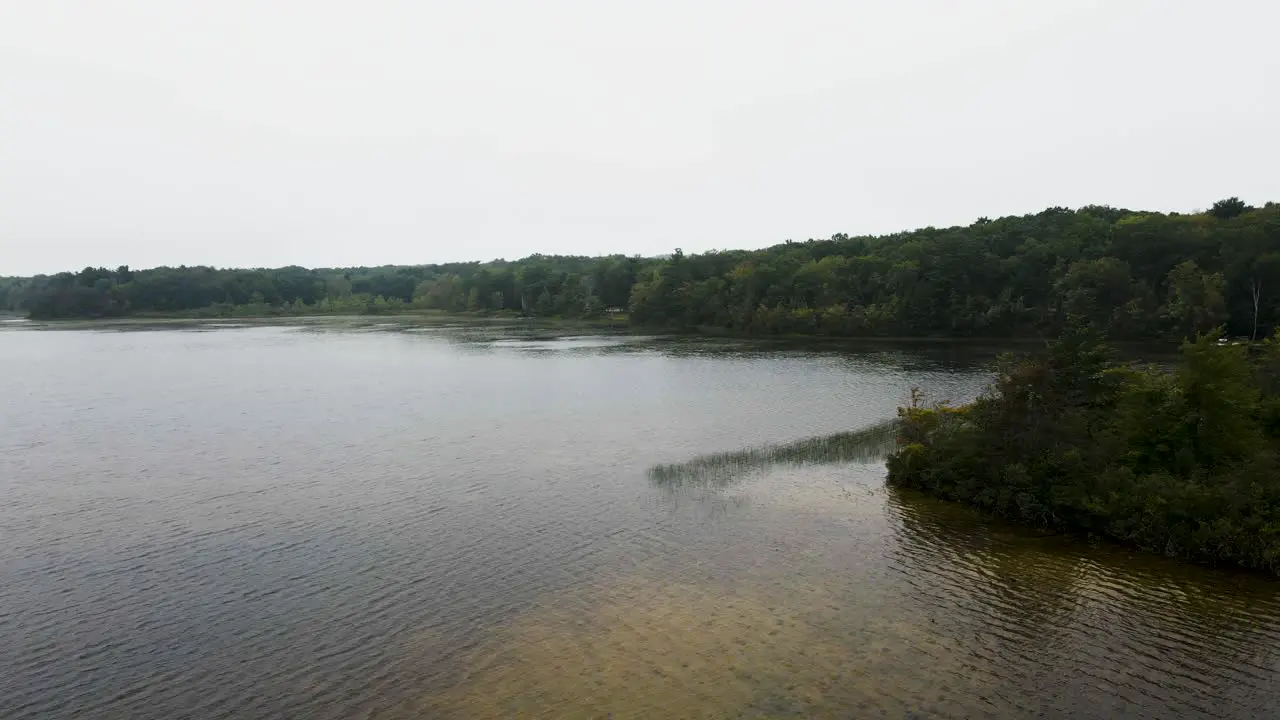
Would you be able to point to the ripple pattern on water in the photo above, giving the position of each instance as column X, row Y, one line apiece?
column 380, row 519
column 1090, row 627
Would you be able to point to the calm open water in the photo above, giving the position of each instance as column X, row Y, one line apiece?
column 341, row 519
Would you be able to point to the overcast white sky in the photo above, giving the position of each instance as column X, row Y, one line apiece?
column 318, row 132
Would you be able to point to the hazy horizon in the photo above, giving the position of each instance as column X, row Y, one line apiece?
column 338, row 134
column 536, row 252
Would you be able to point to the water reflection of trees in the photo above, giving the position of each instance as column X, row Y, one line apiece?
column 1087, row 629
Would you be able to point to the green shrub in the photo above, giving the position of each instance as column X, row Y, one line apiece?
column 1180, row 462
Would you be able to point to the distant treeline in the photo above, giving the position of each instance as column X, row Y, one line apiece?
column 1133, row 275
column 542, row 285
column 1182, row 462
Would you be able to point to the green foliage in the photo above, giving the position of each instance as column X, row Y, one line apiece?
column 1229, row 208
column 1131, row 275
column 1195, row 302
column 1182, row 462
column 563, row 286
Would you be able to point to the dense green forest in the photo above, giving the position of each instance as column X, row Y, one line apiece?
column 542, row 285
column 1181, row 462
column 1134, row 275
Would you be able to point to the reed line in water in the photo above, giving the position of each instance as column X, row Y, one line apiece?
column 869, row 444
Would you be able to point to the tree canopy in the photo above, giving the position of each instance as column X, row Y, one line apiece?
column 1133, row 275
column 552, row 285
column 1181, row 462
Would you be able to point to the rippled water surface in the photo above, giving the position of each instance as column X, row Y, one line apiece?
column 343, row 519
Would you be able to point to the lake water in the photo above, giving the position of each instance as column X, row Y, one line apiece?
column 341, row 519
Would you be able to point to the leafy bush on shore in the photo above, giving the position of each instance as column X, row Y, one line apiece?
column 1182, row 462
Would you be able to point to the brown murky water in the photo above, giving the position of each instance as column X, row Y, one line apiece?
column 348, row 520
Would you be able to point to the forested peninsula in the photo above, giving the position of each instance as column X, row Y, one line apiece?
column 1182, row 462
column 1132, row 275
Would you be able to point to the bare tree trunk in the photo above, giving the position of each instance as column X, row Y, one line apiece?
column 589, row 285
column 1257, row 298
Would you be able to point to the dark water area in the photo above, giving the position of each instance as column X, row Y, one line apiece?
column 336, row 519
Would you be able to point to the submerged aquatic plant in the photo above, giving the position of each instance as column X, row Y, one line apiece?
column 869, row 444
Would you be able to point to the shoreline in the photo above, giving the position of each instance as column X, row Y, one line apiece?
column 617, row 322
